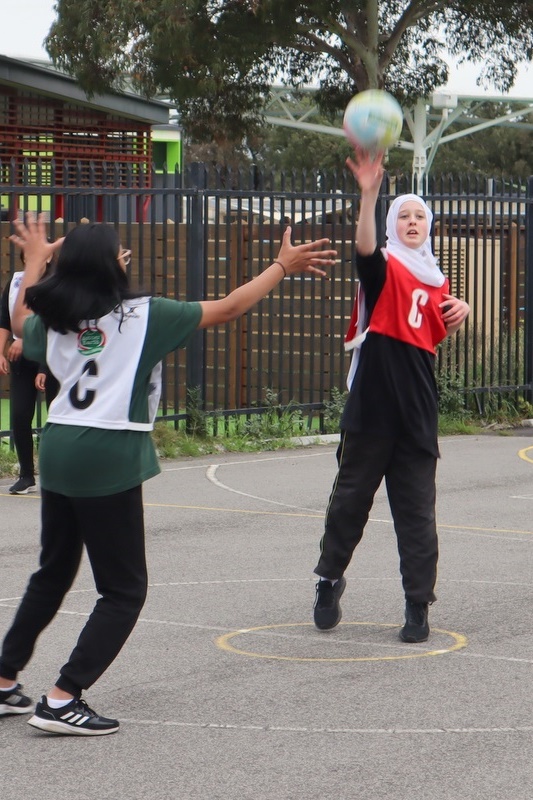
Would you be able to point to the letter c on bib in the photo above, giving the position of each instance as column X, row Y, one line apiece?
column 89, row 368
column 419, row 299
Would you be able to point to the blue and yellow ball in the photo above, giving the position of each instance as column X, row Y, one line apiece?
column 373, row 120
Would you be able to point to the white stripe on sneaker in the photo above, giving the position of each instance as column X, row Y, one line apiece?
column 14, row 700
column 73, row 718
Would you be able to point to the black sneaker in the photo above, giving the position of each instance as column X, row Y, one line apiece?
column 13, row 701
column 416, row 628
column 23, row 486
column 76, row 718
column 327, row 610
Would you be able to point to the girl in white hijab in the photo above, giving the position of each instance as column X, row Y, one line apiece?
column 419, row 260
column 389, row 423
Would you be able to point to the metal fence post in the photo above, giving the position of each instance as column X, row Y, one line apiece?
column 528, row 277
column 381, row 210
column 195, row 269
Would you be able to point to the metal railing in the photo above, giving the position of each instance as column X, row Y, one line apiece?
column 198, row 234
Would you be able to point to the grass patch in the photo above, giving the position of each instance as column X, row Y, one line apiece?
column 172, row 443
column 276, row 426
column 8, row 460
column 451, row 425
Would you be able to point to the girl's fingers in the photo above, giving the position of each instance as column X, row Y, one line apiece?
column 32, row 231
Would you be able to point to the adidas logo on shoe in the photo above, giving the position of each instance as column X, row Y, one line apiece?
column 13, row 701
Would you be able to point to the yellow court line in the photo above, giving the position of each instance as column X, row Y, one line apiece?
column 523, row 454
column 234, row 510
column 223, row 642
column 321, row 516
column 31, row 496
column 483, row 530
column 295, row 514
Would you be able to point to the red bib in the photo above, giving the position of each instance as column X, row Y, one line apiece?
column 408, row 310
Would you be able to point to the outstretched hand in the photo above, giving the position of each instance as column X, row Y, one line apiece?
column 30, row 236
column 309, row 257
column 367, row 168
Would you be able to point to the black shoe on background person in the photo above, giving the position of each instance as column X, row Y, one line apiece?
column 23, row 486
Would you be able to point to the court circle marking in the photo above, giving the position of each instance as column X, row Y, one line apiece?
column 524, row 454
column 223, row 642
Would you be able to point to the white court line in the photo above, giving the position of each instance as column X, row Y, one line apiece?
column 477, row 581
column 211, row 476
column 250, row 461
column 360, row 578
column 266, row 634
column 331, row 641
column 464, row 654
column 197, row 583
column 326, row 730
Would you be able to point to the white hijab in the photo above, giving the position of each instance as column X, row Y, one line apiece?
column 420, row 261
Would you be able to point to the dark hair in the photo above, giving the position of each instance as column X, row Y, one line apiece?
column 87, row 281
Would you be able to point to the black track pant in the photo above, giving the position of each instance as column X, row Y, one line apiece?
column 409, row 474
column 112, row 530
column 23, row 400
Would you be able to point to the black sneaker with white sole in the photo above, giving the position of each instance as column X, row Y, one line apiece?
column 76, row 719
column 23, row 486
column 327, row 611
column 13, row 701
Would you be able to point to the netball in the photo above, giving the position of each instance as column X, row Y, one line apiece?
column 373, row 120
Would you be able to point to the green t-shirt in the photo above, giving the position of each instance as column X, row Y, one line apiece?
column 90, row 462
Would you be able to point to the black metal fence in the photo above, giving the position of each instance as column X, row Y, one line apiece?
column 200, row 234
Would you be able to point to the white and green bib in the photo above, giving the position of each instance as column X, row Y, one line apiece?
column 96, row 368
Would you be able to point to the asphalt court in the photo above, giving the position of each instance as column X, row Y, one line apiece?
column 226, row 690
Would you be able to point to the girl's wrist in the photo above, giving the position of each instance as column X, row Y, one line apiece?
column 34, row 266
column 370, row 194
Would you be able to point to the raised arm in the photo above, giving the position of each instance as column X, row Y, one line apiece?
column 30, row 236
column 368, row 171
column 291, row 260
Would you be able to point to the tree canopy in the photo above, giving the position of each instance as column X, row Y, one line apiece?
column 502, row 151
column 217, row 58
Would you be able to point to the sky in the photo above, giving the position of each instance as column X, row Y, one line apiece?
column 28, row 21
column 24, row 27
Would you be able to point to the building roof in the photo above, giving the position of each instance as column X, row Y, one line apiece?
column 41, row 77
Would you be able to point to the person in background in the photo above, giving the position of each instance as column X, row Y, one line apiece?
column 24, row 388
column 389, row 424
column 104, row 342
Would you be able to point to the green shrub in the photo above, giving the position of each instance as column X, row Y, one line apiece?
column 8, row 460
column 333, row 409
